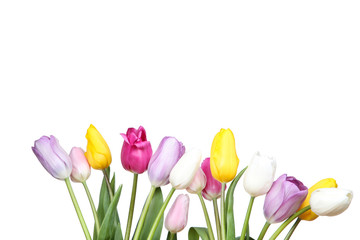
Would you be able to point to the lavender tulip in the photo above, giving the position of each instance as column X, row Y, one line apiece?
column 168, row 153
column 53, row 157
column 284, row 198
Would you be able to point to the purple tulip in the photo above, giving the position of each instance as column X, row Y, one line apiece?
column 212, row 188
column 168, row 153
column 284, row 198
column 53, row 157
column 136, row 150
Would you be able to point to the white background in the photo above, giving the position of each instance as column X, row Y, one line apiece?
column 283, row 75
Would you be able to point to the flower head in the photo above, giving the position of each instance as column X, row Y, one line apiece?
column 212, row 188
column 81, row 169
column 177, row 216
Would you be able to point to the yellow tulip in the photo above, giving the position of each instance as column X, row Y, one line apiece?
column 325, row 183
column 223, row 159
column 97, row 151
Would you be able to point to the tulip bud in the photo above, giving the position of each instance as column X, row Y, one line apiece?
column 80, row 167
column 185, row 169
column 259, row 175
column 212, row 189
column 168, row 153
column 177, row 216
column 330, row 201
column 97, row 151
column 136, row 150
column 223, row 159
column 325, row 183
column 198, row 183
column 284, row 198
column 53, row 157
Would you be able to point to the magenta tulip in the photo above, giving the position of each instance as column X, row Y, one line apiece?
column 284, row 198
column 177, row 216
column 53, row 157
column 80, row 167
column 136, row 150
column 212, row 188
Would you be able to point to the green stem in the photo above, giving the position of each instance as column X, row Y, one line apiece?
column 263, row 231
column 289, row 220
column 131, row 209
column 292, row 229
column 144, row 212
column 77, row 209
column 93, row 208
column 217, row 218
column 247, row 217
column 111, row 194
column 222, row 210
column 172, row 236
column 208, row 223
column 161, row 212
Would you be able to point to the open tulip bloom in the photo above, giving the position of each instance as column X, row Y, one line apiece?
column 286, row 199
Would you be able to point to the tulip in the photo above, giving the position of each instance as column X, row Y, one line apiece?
column 259, row 175
column 177, row 216
column 80, row 167
column 330, row 201
column 212, row 188
column 284, row 198
column 325, row 183
column 97, row 151
column 53, row 157
column 168, row 153
column 185, row 169
column 223, row 159
column 198, row 183
column 136, row 150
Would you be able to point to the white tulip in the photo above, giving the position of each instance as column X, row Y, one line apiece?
column 330, row 201
column 259, row 176
column 185, row 169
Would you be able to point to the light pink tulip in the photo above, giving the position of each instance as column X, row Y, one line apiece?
column 177, row 216
column 198, row 183
column 81, row 169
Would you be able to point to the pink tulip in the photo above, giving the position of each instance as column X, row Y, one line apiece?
column 136, row 150
column 81, row 169
column 198, row 183
column 212, row 189
column 177, row 216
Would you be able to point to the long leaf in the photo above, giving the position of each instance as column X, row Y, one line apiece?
column 229, row 206
column 108, row 223
column 198, row 232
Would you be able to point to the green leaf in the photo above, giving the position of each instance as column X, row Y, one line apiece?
column 107, row 230
column 169, row 235
column 118, row 233
column 196, row 232
column 229, row 206
column 238, row 238
column 155, row 205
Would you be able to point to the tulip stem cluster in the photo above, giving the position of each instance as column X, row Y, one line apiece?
column 208, row 223
column 131, row 209
column 264, row 230
column 111, row 194
column 93, row 208
column 292, row 229
column 77, row 209
column 217, row 218
column 161, row 212
column 222, row 210
column 288, row 221
column 247, row 217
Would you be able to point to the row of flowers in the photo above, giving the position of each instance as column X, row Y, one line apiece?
column 286, row 198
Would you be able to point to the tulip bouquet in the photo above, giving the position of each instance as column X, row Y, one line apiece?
column 287, row 199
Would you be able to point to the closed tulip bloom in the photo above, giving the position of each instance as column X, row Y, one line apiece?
column 259, row 175
column 185, row 169
column 284, row 198
column 177, row 216
column 325, row 183
column 198, row 183
column 136, row 150
column 53, row 157
column 223, row 159
column 212, row 188
column 330, row 201
column 80, row 167
column 168, row 153
column 97, row 151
